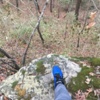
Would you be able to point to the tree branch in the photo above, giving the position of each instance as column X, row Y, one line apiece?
column 24, row 56
column 14, row 70
column 38, row 27
column 7, row 55
column 95, row 5
column 83, row 27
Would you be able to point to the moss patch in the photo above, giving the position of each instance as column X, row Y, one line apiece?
column 91, row 96
column 81, row 58
column 1, row 54
column 40, row 67
column 56, row 55
column 23, row 72
column 14, row 84
column 78, row 83
column 95, row 62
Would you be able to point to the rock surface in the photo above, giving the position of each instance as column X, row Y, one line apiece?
column 35, row 84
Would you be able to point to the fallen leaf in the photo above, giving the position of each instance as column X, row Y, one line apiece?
column 91, row 74
column 90, row 90
column 22, row 92
column 86, row 94
column 87, row 80
column 92, row 16
column 90, row 25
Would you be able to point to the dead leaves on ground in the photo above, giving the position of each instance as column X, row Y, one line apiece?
column 92, row 17
column 20, row 91
column 83, row 95
column 90, row 25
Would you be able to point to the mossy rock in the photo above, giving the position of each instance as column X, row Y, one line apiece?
column 78, row 83
column 95, row 62
column 40, row 67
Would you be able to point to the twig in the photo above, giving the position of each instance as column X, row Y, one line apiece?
column 14, row 6
column 7, row 55
column 7, row 58
column 24, row 56
column 38, row 28
column 95, row 5
column 9, row 65
column 9, row 69
column 83, row 27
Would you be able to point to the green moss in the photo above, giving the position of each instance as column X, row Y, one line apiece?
column 56, row 55
column 8, row 73
column 95, row 62
column 52, row 82
column 1, row 55
column 91, row 96
column 96, row 82
column 78, row 83
column 14, row 84
column 40, row 67
column 23, row 72
column 81, row 58
column 37, row 77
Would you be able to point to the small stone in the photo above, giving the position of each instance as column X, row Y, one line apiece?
column 25, row 96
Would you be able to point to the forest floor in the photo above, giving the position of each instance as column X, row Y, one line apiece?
column 60, row 36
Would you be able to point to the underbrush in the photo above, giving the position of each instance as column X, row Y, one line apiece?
column 60, row 38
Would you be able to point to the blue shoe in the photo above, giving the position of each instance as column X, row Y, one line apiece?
column 58, row 76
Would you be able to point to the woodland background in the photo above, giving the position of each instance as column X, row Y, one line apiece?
column 67, row 27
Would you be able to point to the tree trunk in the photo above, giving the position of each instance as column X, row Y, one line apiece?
column 17, row 3
column 7, row 55
column 38, row 27
column 37, row 6
column 50, row 5
column 77, row 9
column 1, row 1
column 53, row 5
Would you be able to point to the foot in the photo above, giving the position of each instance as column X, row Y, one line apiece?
column 58, row 76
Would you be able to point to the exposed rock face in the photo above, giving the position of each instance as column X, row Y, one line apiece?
column 35, row 84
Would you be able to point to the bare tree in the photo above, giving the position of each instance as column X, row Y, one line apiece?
column 1, row 1
column 17, row 4
column 37, row 6
column 83, row 27
column 77, row 8
column 8, row 56
column 53, row 5
column 24, row 56
column 38, row 28
column 50, row 5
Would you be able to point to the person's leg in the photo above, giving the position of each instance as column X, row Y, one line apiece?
column 61, row 92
